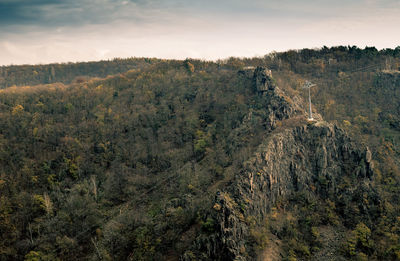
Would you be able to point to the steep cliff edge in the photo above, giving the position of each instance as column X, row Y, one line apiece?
column 317, row 162
column 312, row 159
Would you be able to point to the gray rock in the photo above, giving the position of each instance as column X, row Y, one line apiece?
column 263, row 79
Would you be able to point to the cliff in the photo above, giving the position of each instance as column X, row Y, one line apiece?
column 317, row 160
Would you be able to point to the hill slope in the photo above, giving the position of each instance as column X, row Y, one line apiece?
column 197, row 160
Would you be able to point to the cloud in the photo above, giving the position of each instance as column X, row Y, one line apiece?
column 56, row 13
column 50, row 13
column 43, row 31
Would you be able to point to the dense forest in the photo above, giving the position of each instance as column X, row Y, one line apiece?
column 67, row 73
column 122, row 159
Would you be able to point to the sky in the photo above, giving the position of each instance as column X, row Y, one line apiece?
column 47, row 31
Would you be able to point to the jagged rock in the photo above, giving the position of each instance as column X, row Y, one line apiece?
column 292, row 160
column 312, row 158
column 263, row 79
column 261, row 76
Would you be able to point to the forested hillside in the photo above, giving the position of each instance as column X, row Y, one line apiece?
column 131, row 159
column 67, row 73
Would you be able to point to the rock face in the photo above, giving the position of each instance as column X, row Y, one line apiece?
column 263, row 79
column 279, row 106
column 261, row 76
column 312, row 159
column 309, row 158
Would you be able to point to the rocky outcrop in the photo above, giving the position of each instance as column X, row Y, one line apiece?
column 261, row 76
column 273, row 107
column 311, row 158
column 263, row 79
column 277, row 105
column 296, row 158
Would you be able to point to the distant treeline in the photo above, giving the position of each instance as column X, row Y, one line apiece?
column 21, row 75
column 342, row 53
column 351, row 56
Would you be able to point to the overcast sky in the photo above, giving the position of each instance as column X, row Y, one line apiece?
column 44, row 31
